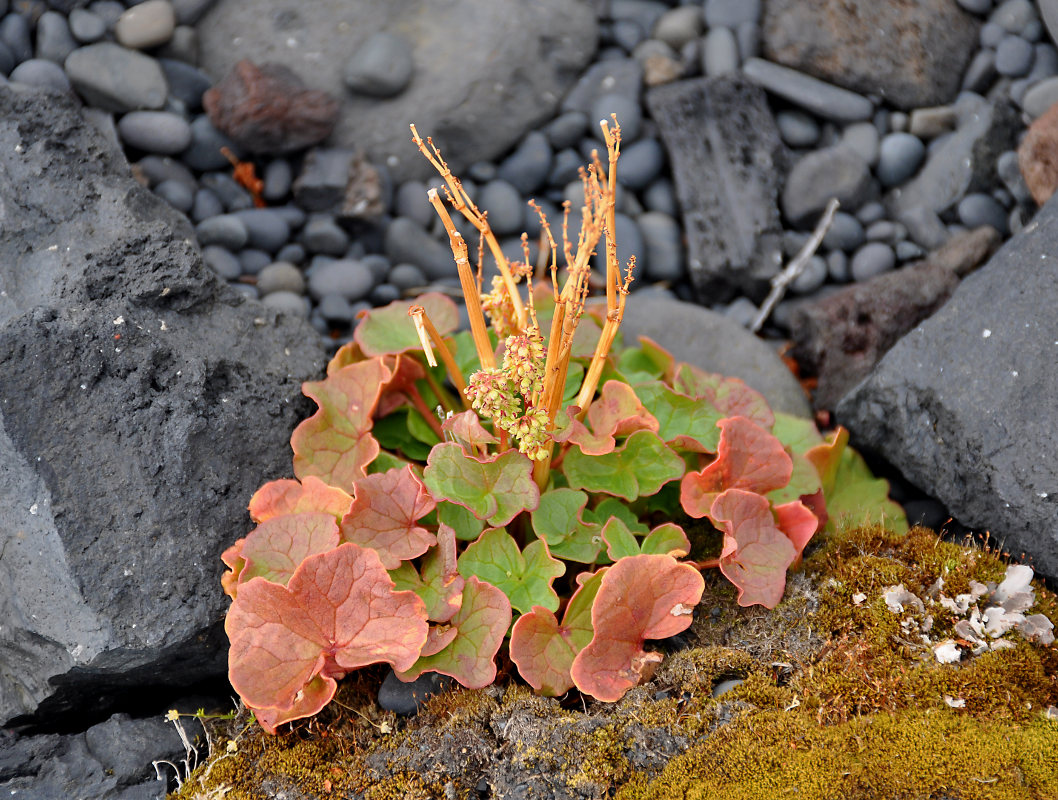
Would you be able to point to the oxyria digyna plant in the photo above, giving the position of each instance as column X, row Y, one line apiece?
column 528, row 484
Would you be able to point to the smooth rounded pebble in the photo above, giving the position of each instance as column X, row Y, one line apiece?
column 1040, row 97
column 114, row 78
column 42, row 73
column 641, row 162
column 664, row 246
column 797, row 128
column 885, row 230
column 204, row 152
column 288, row 303
column 1014, row 57
column 628, row 111
column 812, row 94
column 280, row 276
column 661, row 196
column 345, row 277
column 567, row 129
column 730, row 13
column 380, row 67
column 155, row 132
column 266, row 229
column 812, row 276
column 7, row 59
column 87, row 26
column 253, row 261
column 222, row 261
column 678, row 26
column 146, row 25
column 377, row 264
column 384, row 294
column 411, row 201
column 157, row 168
column 186, row 83
column 177, row 194
column 505, row 206
column 1013, row 15
column 845, row 233
column 206, row 205
column 838, row 266
column 278, row 178
column 526, row 169
column 406, row 276
column 822, row 174
column 719, row 52
column 862, row 139
column 982, row 209
column 225, row 230
column 899, row 157
column 991, row 35
column 976, row 6
column 54, row 40
column 871, row 212
column 565, row 166
column 324, row 235
column 336, row 309
column 872, row 259
column 15, row 33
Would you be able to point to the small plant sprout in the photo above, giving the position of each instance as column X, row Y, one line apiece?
column 529, row 484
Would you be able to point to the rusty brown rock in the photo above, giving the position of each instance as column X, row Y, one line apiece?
column 1038, row 156
column 267, row 109
column 841, row 337
column 911, row 52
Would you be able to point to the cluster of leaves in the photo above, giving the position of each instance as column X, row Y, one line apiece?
column 372, row 556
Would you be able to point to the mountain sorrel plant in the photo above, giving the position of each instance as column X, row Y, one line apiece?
column 528, row 493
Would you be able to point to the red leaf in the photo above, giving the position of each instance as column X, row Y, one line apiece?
column 756, row 552
column 799, row 523
column 466, row 428
column 287, row 496
column 309, row 701
column 383, row 516
column 729, row 395
column 641, row 597
column 335, row 443
column 748, row 457
column 406, row 370
column 615, row 412
column 338, row 612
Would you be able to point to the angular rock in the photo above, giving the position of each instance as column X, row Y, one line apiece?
column 728, row 162
column 841, row 337
column 267, row 109
column 966, row 405
column 1038, row 156
column 478, row 87
column 714, row 343
column 142, row 404
column 917, row 61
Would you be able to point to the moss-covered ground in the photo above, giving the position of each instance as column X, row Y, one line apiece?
column 839, row 698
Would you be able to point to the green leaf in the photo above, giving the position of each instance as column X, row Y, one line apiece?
column 461, row 520
column 525, row 577
column 684, row 422
column 796, row 433
column 439, row 586
column 638, row 469
column 496, row 489
column 384, row 462
column 393, row 432
column 389, row 330
column 667, row 539
column 559, row 521
column 619, row 540
column 420, row 429
column 612, row 507
column 574, row 378
column 730, row 396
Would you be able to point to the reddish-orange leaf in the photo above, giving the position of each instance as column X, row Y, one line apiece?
column 384, row 513
column 287, row 496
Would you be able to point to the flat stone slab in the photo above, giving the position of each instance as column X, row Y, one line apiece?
column 966, row 405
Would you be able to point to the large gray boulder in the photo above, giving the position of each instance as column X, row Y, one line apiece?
column 966, row 405
column 141, row 403
column 485, row 71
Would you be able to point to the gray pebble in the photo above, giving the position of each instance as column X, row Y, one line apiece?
column 661, row 196
column 278, row 176
column 1009, row 172
column 380, row 67
column 410, row 200
column 663, row 240
column 1013, row 15
column 908, row 251
column 204, row 153
column 845, row 233
column 109, row 11
column 567, row 129
column 406, row 276
column 730, row 13
column 821, row 98
column 505, row 206
column 626, row 33
column 719, row 52
column 377, row 264
column 678, row 26
column 348, row 278
column 927, row 123
column 526, row 168
column 15, row 33
column 155, row 132
column 630, row 242
column 336, row 309
column 899, row 157
column 186, row 83
column 182, row 45
column 991, row 35
column 293, row 253
column 323, row 235
column 177, row 194
column 7, row 59
column 838, row 266
column 233, row 195
column 1040, row 97
column 982, row 209
column 641, row 162
column 532, row 224
column 253, row 261
column 188, row 12
column 566, row 164
column 797, row 128
column 924, row 226
column 886, row 231
column 748, row 35
column 1014, row 57
column 146, row 25
column 162, row 168
column 979, row 74
column 206, row 205
column 222, row 261
column 246, row 290
column 629, row 115
column 54, row 40
column 822, row 174
column 1032, row 32
column 872, row 259
column 225, row 230
column 294, row 216
column 1044, row 62
column 812, row 276
column 1003, row 197
column 114, row 78
column 862, row 139
column 267, row 230
column 41, row 72
column 976, row 6
column 742, row 310
column 898, row 122
column 280, row 276
column 793, row 241
column 287, row 303
column 871, row 212
column 384, row 294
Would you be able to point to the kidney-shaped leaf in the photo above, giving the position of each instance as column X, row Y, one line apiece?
column 559, row 521
column 683, row 422
column 524, row 576
column 543, row 650
column 276, row 547
column 756, row 553
column 382, row 331
column 384, row 513
column 496, row 489
column 335, row 444
column 481, row 624
column 639, row 468
column 666, row 539
column 287, row 496
column 615, row 412
column 640, row 597
column 465, row 427
column 748, row 457
column 338, row 612
column 730, row 396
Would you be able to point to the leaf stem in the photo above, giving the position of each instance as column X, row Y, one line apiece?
column 420, row 406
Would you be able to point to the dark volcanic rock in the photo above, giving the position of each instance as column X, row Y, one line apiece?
column 728, row 162
column 911, row 52
column 842, row 336
column 477, row 88
column 267, row 109
column 966, row 405
column 141, row 403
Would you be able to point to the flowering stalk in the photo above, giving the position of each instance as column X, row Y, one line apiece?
column 428, row 333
